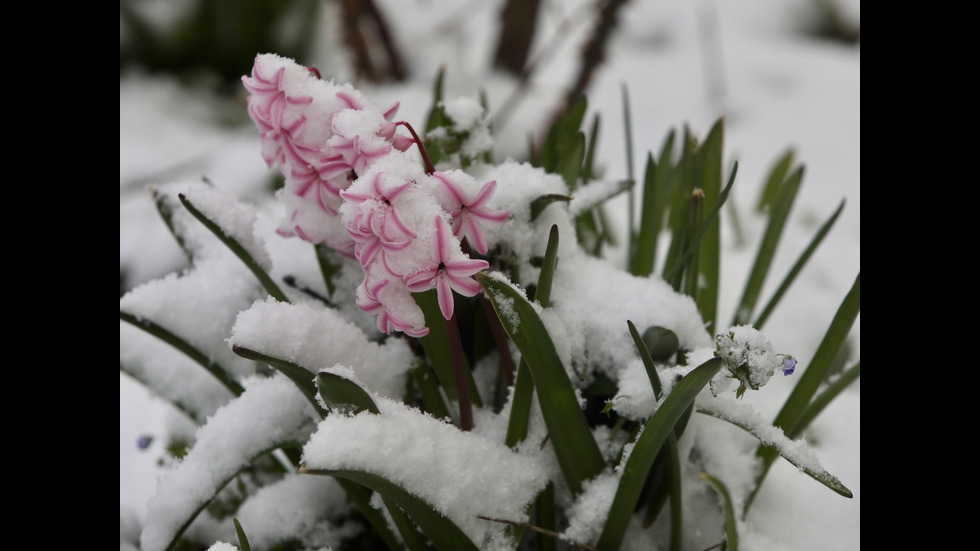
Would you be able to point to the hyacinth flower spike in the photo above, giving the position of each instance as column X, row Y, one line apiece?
column 445, row 272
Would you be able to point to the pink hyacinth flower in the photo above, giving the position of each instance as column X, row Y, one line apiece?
column 445, row 272
column 469, row 211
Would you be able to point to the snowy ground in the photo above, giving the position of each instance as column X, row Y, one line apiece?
column 682, row 63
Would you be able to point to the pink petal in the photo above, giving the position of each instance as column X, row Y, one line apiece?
column 445, row 291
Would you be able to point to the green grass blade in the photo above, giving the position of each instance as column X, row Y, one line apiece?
column 520, row 409
column 709, row 178
column 780, row 444
column 575, row 447
column 428, row 385
column 675, row 492
column 340, row 393
column 329, row 264
column 792, row 411
column 237, row 248
column 689, row 252
column 647, row 360
column 561, row 133
column 539, row 204
column 779, row 213
column 545, row 511
column 731, row 534
column 648, row 445
column 444, row 533
column 816, row 371
column 520, row 406
column 797, row 267
column 673, row 464
column 587, row 166
column 166, row 210
column 300, row 376
column 361, row 498
column 177, row 342
column 569, row 163
column 770, row 190
column 628, row 130
column 641, row 262
column 823, row 400
column 414, row 540
column 437, row 117
column 242, row 540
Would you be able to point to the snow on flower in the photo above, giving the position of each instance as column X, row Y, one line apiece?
column 446, row 271
column 748, row 357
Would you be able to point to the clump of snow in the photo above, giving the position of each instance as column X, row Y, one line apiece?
column 235, row 218
column 271, row 410
column 169, row 373
column 748, row 356
column 468, row 116
column 462, row 475
column 587, row 515
column 319, row 338
column 298, row 506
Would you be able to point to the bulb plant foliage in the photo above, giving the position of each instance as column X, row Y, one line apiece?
column 414, row 348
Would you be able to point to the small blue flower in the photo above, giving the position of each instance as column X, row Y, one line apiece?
column 789, row 365
column 144, row 442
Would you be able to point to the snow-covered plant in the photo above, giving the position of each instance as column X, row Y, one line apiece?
column 453, row 363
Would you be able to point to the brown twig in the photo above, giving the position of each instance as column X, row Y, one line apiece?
column 361, row 17
column 538, row 529
column 594, row 52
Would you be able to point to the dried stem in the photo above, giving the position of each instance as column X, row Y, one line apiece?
column 538, row 529
column 459, row 373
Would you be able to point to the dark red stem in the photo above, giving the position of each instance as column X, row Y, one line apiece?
column 429, row 167
column 459, row 373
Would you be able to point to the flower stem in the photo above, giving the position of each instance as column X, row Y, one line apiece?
column 429, row 167
column 459, row 373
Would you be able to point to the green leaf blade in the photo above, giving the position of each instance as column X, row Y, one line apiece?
column 575, row 447
column 646, row 448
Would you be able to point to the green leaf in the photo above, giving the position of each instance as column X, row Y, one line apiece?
column 569, row 163
column 361, row 498
column 777, row 175
column 538, row 205
column 414, row 540
column 443, row 532
column 780, row 447
column 437, row 115
column 238, row 249
column 242, row 540
column 428, row 385
column 641, row 263
column 797, row 267
column 823, row 400
column 647, row 446
column 797, row 402
column 578, row 454
column 731, row 534
column 767, row 248
column 709, row 178
column 165, row 206
column 179, row 343
column 560, row 135
column 300, row 376
column 520, row 409
column 342, row 394
column 330, row 265
column 680, row 263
